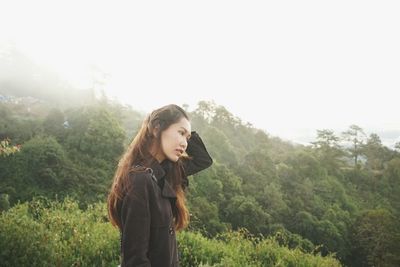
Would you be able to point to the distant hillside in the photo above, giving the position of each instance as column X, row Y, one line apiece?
column 22, row 77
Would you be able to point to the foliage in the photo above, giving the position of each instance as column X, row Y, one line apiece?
column 45, row 233
column 6, row 149
column 376, row 235
column 318, row 198
column 238, row 248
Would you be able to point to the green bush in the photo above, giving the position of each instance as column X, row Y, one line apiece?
column 24, row 241
column 46, row 233
column 241, row 249
column 42, row 233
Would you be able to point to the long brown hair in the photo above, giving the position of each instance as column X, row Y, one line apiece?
column 138, row 152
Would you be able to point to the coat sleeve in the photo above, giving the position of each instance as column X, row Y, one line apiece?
column 199, row 157
column 135, row 218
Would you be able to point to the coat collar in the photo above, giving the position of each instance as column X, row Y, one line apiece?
column 160, row 171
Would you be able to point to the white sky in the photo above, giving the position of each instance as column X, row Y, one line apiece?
column 288, row 67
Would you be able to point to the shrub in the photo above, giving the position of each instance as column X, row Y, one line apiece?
column 46, row 233
column 42, row 233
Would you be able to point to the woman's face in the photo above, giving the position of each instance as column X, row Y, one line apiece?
column 174, row 140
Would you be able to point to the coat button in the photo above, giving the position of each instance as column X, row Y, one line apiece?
column 171, row 231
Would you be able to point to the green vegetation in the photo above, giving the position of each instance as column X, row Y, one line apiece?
column 49, row 233
column 335, row 200
column 6, row 149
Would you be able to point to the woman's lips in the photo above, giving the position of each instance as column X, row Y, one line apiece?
column 179, row 151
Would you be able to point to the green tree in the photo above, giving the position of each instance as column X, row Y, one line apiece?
column 4, row 202
column 377, row 238
column 219, row 146
column 205, row 216
column 94, row 132
column 392, row 174
column 331, row 238
column 53, row 124
column 257, row 170
column 328, row 150
column 244, row 211
column 356, row 136
column 17, row 125
column 231, row 182
column 207, row 184
column 7, row 149
column 206, row 110
column 397, row 146
column 274, row 202
column 40, row 168
column 306, row 165
column 304, row 223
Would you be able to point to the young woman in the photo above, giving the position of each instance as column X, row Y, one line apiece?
column 147, row 200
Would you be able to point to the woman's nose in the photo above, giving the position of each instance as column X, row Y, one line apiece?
column 184, row 144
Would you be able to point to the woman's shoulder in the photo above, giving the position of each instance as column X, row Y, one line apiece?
column 142, row 176
column 139, row 185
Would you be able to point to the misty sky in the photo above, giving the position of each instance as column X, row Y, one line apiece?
column 288, row 67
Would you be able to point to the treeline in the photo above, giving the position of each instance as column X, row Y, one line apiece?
column 340, row 194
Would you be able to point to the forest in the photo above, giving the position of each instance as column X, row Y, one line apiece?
column 264, row 201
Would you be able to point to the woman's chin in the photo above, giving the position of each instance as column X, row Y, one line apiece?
column 174, row 158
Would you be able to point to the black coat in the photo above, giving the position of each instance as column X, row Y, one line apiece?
column 146, row 212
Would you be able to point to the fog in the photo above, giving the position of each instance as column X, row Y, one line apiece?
column 286, row 67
